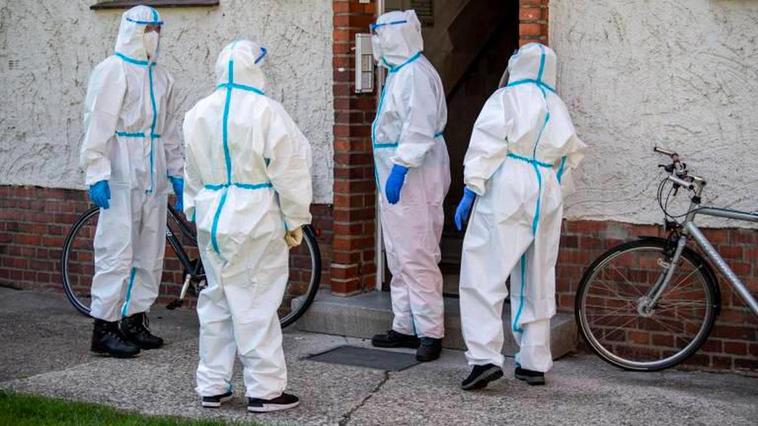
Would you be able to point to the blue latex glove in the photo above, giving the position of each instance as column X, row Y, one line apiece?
column 464, row 208
column 395, row 183
column 178, row 184
column 100, row 193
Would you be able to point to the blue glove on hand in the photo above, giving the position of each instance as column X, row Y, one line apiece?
column 100, row 193
column 178, row 184
column 395, row 183
column 464, row 208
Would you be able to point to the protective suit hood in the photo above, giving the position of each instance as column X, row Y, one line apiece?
column 533, row 61
column 239, row 62
column 397, row 35
column 130, row 41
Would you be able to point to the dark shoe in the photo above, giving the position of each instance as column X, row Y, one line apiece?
column 429, row 349
column 481, row 375
column 534, row 378
column 281, row 402
column 107, row 339
column 393, row 339
column 216, row 400
column 135, row 328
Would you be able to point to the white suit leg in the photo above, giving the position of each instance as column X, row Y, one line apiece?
column 490, row 251
column 113, row 255
column 533, row 296
column 149, row 250
column 254, row 306
column 217, row 348
column 402, row 321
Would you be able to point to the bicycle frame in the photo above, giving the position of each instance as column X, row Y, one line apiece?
column 177, row 246
column 691, row 230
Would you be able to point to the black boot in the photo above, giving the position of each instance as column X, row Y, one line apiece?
column 107, row 339
column 393, row 339
column 429, row 349
column 481, row 375
column 135, row 328
column 533, row 378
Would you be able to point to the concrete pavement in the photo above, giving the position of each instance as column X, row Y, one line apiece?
column 44, row 350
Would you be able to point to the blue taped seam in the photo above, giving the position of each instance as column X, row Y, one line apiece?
column 529, row 160
column 241, row 87
column 396, row 68
column 134, row 61
column 251, row 186
column 214, row 226
column 559, row 175
column 516, row 319
column 225, row 124
column 130, row 134
column 152, row 130
column 128, row 297
column 138, row 22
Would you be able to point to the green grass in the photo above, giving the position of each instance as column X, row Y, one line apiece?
column 27, row 410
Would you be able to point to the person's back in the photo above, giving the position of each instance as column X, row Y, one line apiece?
column 248, row 186
column 522, row 149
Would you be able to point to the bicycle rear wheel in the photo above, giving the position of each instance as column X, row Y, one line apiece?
column 613, row 290
column 304, row 278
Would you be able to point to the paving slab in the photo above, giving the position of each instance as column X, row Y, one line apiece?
column 581, row 389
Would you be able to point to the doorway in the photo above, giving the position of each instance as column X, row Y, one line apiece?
column 469, row 43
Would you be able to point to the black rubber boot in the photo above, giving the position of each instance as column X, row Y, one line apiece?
column 481, row 375
column 107, row 339
column 135, row 328
column 393, row 339
column 429, row 349
column 534, row 378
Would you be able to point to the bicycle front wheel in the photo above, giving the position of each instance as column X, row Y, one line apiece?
column 612, row 314
column 78, row 261
column 304, row 278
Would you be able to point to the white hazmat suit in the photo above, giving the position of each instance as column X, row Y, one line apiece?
column 131, row 141
column 247, row 181
column 522, row 150
column 407, row 131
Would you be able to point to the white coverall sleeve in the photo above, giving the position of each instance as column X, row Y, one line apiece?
column 171, row 141
column 105, row 93
column 419, row 121
column 489, row 144
column 192, row 179
column 289, row 167
column 564, row 168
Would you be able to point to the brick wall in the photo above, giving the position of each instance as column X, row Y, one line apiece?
column 34, row 222
column 733, row 343
column 353, row 250
column 533, row 18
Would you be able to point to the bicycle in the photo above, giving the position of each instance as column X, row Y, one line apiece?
column 77, row 265
column 627, row 309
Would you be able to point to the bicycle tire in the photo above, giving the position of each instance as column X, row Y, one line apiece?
column 65, row 253
column 309, row 238
column 712, row 305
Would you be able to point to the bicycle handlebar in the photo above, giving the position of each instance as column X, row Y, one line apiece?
column 664, row 151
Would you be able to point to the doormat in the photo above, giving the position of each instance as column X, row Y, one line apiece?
column 365, row 357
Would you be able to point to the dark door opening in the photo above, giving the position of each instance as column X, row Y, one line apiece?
column 469, row 42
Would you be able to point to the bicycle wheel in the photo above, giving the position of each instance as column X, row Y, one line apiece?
column 304, row 278
column 610, row 299
column 78, row 260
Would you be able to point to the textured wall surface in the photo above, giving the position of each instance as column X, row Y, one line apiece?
column 49, row 47
column 681, row 74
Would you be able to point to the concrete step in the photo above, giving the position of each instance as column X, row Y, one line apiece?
column 367, row 314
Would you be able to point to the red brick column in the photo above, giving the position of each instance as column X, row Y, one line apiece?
column 353, row 249
column 533, row 19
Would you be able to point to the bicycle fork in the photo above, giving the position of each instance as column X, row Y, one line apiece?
column 646, row 305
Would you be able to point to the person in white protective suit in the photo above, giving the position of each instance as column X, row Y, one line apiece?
column 248, row 189
column 517, row 169
column 132, row 156
column 413, row 176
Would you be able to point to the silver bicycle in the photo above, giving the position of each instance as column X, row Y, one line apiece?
column 649, row 304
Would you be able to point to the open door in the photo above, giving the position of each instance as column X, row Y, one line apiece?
column 469, row 42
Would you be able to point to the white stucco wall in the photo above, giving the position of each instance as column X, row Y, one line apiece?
column 681, row 74
column 49, row 47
